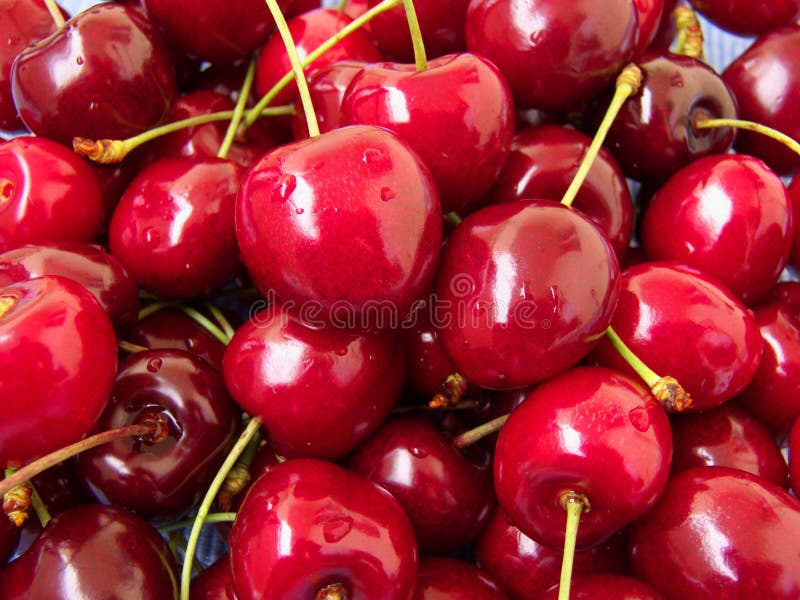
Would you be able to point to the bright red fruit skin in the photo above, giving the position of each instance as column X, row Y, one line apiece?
column 47, row 194
column 794, row 196
column 748, row 18
column 350, row 218
column 590, row 430
column 72, row 83
column 726, row 215
column 794, row 456
column 457, row 115
column 214, row 582
column 427, row 364
column 308, row 523
column 58, row 358
column 453, row 579
column 682, row 323
column 524, row 291
column 319, row 392
column 554, row 54
column 720, row 533
column 606, row 587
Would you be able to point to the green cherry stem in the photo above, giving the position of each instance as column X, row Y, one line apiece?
column 39, row 507
column 220, row 318
column 238, row 110
column 55, row 12
column 153, row 308
column 340, row 6
column 481, row 431
column 420, row 58
column 707, row 123
column 205, row 322
column 575, row 504
column 221, row 517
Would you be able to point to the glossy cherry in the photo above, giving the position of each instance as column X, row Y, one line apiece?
column 794, row 457
column 794, row 195
column 453, row 579
column 748, row 18
column 308, row 524
column 607, row 587
column 214, row 582
column 525, row 290
column 58, row 358
column 648, row 16
column 591, row 431
column 457, row 115
column 719, row 532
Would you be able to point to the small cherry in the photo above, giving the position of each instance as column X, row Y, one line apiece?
column 748, row 18
column 440, row 578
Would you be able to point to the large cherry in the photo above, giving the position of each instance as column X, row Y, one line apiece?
column 591, row 432
column 309, row 527
column 748, row 17
column 453, row 579
column 58, row 358
column 607, row 587
column 524, row 291
column 720, row 533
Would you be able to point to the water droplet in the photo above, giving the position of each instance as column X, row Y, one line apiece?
column 341, row 351
column 370, row 156
column 154, row 364
column 299, row 211
column 387, row 194
column 190, row 343
column 284, row 187
column 335, row 528
column 418, row 452
column 151, row 237
column 79, row 60
column 639, row 418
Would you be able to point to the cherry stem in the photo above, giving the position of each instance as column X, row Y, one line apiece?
column 628, row 83
column 220, row 318
column 453, row 388
column 153, row 308
column 690, row 34
column 478, row 433
column 453, row 218
column 340, row 6
column 206, row 323
column 238, row 477
column 131, row 347
column 220, row 517
column 420, row 59
column 465, row 405
column 575, row 504
column 16, row 502
column 6, row 304
column 666, row 389
column 238, row 110
column 791, row 143
column 191, row 545
column 151, row 430
column 55, row 12
column 39, row 507
column 345, row 31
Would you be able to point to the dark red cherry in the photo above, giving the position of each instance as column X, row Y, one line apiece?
column 308, row 525
column 347, row 221
column 764, row 79
column 526, row 289
column 727, row 436
column 447, row 497
column 107, row 278
column 174, row 226
column 9, row 537
column 542, row 163
column 794, row 457
column 794, row 196
column 447, row 578
column 728, row 216
column 47, row 194
column 167, row 477
column 607, row 587
column 720, row 533
column 589, row 431
column 58, row 358
column 94, row 551
column 648, row 16
column 214, row 582
column 73, row 84
column 667, row 29
column 554, row 54
column 748, row 17
column 318, row 391
column 457, row 115
column 682, row 323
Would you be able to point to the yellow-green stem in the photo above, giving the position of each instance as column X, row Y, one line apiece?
column 221, row 319
column 341, row 5
column 39, row 508
column 690, row 33
column 55, row 13
column 130, row 347
column 647, row 374
column 481, row 431
column 574, row 504
column 152, row 309
column 221, row 517
column 420, row 59
column 238, row 110
column 771, row 133
column 205, row 322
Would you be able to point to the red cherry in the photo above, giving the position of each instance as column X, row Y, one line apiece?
column 607, row 587
column 453, row 579
column 648, row 16
column 9, row 538
column 794, row 456
column 214, row 582
column 748, row 17
column 794, row 196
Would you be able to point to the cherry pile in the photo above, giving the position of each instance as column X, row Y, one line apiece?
column 498, row 301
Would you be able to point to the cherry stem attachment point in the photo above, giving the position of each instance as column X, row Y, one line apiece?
column 774, row 134
column 575, row 504
column 628, row 83
column 453, row 388
column 690, row 34
column 478, row 433
column 332, row 591
column 238, row 110
column 420, row 59
column 55, row 12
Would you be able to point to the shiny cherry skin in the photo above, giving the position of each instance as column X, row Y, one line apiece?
column 525, row 290
column 748, row 18
column 772, row 395
column 214, row 582
column 348, row 219
column 447, row 496
column 457, row 115
column 441, row 577
column 766, row 98
column 667, row 29
column 591, row 431
column 682, row 323
column 94, row 551
column 727, row 436
column 794, row 195
column 58, row 358
column 71, row 83
column 606, row 587
column 174, row 226
column 542, row 163
column 728, row 216
column 525, row 569
column 168, row 477
column 308, row 31
column 720, row 533
column 653, row 135
column 554, row 54
column 794, row 457
column 107, row 278
column 47, row 194
column 320, row 392
column 307, row 524
column 648, row 16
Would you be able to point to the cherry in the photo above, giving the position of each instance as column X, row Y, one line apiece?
column 71, row 83
column 453, row 579
column 726, row 215
column 747, row 17
column 648, row 16
column 554, row 55
column 215, row 582
column 794, row 456
column 174, row 226
column 589, row 432
column 47, row 194
column 525, row 290
column 794, row 195
column 667, row 29
column 457, row 114
column 309, row 528
column 93, row 551
column 719, row 532
column 354, row 201
column 727, row 436
column 683, row 323
column 318, row 391
column 607, row 587
column 9, row 538
column 447, row 497
column 58, row 357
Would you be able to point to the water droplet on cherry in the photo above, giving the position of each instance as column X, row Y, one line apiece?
column 639, row 418
column 419, row 452
column 79, row 60
column 151, row 237
column 335, row 528
column 154, row 365
column 284, row 187
column 387, row 194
